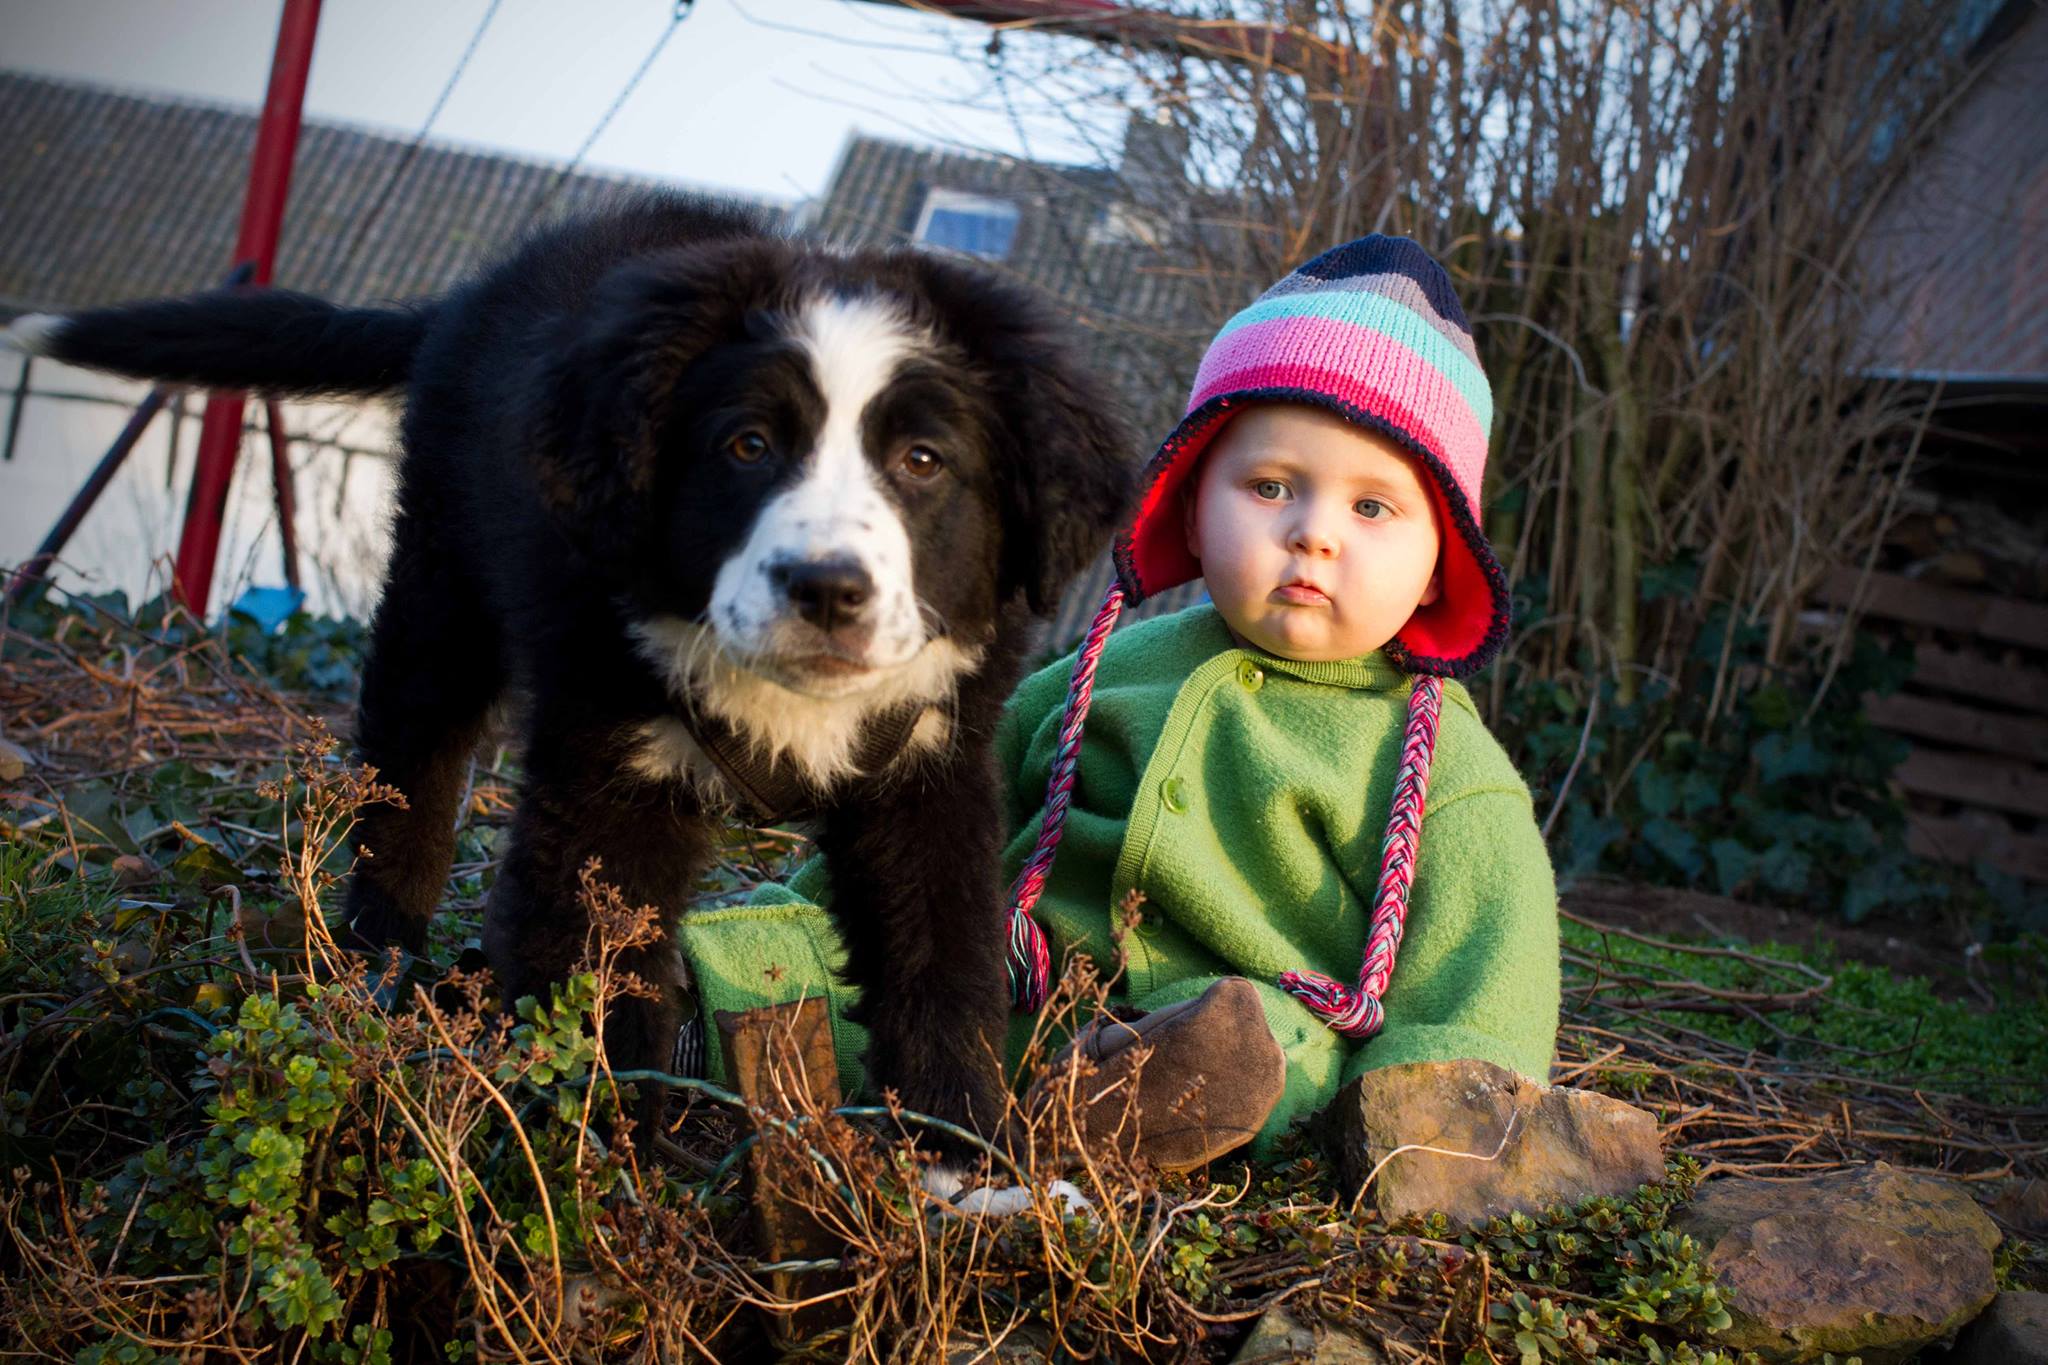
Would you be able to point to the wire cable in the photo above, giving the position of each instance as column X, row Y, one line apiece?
column 682, row 12
column 332, row 269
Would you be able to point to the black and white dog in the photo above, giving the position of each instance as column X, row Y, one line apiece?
column 750, row 522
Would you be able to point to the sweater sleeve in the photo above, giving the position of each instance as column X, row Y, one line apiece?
column 1477, row 973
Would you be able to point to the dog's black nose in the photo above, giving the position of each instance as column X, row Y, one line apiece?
column 828, row 593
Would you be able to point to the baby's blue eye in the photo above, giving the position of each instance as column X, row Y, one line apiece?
column 1269, row 489
column 1369, row 508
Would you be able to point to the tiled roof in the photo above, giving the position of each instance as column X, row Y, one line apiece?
column 1954, row 254
column 106, row 196
column 1073, row 241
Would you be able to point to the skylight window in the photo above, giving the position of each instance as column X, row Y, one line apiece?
column 972, row 223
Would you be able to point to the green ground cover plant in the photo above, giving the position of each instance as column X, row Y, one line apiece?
column 1869, row 1021
column 228, row 1140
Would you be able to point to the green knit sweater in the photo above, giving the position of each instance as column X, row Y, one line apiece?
column 1246, row 797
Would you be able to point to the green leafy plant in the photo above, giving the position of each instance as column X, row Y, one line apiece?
column 1764, row 795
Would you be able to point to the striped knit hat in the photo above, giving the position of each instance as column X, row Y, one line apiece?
column 1371, row 331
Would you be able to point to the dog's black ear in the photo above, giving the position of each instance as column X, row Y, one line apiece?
column 600, row 394
column 1073, row 473
column 1068, row 461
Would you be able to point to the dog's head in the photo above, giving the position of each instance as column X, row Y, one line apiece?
column 832, row 471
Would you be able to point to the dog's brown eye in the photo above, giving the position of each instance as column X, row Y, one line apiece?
column 921, row 462
column 749, row 447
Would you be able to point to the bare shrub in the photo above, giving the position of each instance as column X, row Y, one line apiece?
column 1655, row 214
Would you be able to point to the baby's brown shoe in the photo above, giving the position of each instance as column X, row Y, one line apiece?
column 1179, row 1086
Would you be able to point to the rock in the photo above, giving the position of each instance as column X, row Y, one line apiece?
column 2012, row 1331
column 1871, row 1262
column 15, row 761
column 133, row 869
column 2022, row 1205
column 1280, row 1336
column 1019, row 1346
column 1565, row 1145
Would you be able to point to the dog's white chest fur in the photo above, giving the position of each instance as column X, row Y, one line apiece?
column 819, row 736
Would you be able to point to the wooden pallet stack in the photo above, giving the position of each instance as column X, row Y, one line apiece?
column 1975, row 711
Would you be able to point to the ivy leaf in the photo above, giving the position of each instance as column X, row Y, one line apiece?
column 1784, row 867
column 1784, row 756
column 1733, row 864
column 1589, row 836
column 1772, row 707
column 1676, row 844
column 204, row 866
column 1675, row 579
column 1656, row 789
column 1875, row 887
column 1699, row 795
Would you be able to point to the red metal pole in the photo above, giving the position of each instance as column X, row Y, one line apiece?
column 270, row 173
column 281, row 483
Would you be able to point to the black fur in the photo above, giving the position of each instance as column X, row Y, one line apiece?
column 562, row 480
column 272, row 340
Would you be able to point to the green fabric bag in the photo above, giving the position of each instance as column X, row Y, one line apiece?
column 773, row 950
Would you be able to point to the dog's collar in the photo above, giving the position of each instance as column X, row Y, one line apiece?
column 769, row 792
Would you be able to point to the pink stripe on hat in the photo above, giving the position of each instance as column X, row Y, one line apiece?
column 1434, row 417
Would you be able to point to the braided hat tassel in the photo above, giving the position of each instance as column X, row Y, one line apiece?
column 1030, row 957
column 1356, row 1013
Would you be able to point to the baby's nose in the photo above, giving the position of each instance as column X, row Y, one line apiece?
column 1311, row 535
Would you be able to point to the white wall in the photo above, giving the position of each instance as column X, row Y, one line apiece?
column 127, row 541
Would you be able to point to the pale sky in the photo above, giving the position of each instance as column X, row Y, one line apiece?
column 754, row 95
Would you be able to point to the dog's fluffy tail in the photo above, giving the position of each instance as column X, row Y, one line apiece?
column 267, row 340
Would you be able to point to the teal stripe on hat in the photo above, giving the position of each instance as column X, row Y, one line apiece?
column 1382, row 314
column 1398, row 285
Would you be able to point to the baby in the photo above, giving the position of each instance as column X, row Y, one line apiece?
column 1339, row 865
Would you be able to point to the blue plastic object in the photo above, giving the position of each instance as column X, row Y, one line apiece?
column 268, row 607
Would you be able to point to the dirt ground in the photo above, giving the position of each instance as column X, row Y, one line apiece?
column 1928, row 950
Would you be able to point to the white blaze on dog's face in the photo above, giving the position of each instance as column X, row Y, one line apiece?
column 834, row 532
column 821, row 596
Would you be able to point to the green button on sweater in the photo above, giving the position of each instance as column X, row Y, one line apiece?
column 1246, row 797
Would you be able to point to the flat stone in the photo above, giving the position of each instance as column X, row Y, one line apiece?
column 1020, row 1346
column 1280, row 1336
column 1871, row 1262
column 1562, row 1145
column 133, row 869
column 2012, row 1331
column 2022, row 1205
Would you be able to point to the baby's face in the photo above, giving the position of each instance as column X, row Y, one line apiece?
column 1318, row 540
